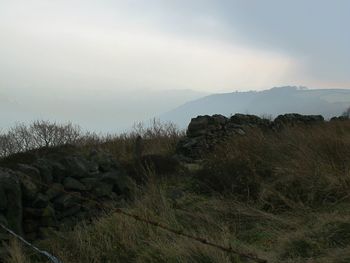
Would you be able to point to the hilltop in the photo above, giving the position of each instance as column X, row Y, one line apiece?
column 271, row 102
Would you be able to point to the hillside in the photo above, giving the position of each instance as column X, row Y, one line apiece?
column 255, row 191
column 327, row 102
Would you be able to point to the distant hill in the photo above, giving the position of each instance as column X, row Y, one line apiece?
column 272, row 102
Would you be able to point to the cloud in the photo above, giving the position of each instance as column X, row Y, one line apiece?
column 47, row 43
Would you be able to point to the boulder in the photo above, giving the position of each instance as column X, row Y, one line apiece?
column 40, row 201
column 30, row 171
column 76, row 166
column 66, row 201
column 70, row 183
column 54, row 191
column 249, row 120
column 48, row 217
column 103, row 189
column 45, row 169
column 59, row 172
column 340, row 118
column 29, row 188
column 10, row 189
column 104, row 162
column 89, row 182
column 292, row 119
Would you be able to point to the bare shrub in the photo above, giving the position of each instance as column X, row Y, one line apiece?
column 346, row 113
column 23, row 137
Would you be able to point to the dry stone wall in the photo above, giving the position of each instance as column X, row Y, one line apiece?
column 58, row 192
column 204, row 132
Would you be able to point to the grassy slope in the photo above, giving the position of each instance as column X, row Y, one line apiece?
column 282, row 197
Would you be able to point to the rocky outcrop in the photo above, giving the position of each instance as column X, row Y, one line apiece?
column 292, row 119
column 59, row 191
column 10, row 200
column 204, row 132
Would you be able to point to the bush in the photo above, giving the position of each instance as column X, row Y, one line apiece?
column 21, row 137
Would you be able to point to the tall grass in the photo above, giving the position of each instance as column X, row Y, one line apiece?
column 283, row 195
column 296, row 167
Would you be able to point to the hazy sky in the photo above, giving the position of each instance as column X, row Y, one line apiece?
column 204, row 45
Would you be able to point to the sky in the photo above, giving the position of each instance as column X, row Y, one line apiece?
column 204, row 45
column 61, row 51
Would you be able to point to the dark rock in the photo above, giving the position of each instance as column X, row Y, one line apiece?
column 198, row 126
column 40, row 201
column 32, row 213
column 76, row 166
column 292, row 119
column 340, row 118
column 30, row 171
column 29, row 188
column 59, row 172
column 104, row 161
column 247, row 119
column 89, row 182
column 66, row 201
column 48, row 217
column 103, row 189
column 30, row 226
column 45, row 169
column 11, row 191
column 3, row 220
column 72, row 184
column 54, row 191
column 3, row 199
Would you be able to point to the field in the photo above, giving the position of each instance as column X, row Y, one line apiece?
column 283, row 197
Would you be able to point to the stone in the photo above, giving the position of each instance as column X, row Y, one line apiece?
column 76, row 166
column 103, row 189
column 31, row 171
column 10, row 186
column 297, row 119
column 72, row 184
column 198, row 126
column 59, row 172
column 3, row 220
column 32, row 213
column 30, row 226
column 3, row 199
column 66, row 201
column 48, row 217
column 123, row 185
column 104, row 161
column 246, row 119
column 41, row 201
column 54, row 191
column 45, row 169
column 340, row 118
column 89, row 182
column 29, row 188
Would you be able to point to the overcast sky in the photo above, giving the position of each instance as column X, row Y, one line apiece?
column 204, row 45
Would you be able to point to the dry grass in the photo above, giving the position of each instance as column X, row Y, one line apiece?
column 16, row 252
column 281, row 195
column 299, row 167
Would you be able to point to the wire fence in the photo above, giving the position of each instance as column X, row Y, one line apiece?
column 243, row 254
column 52, row 258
